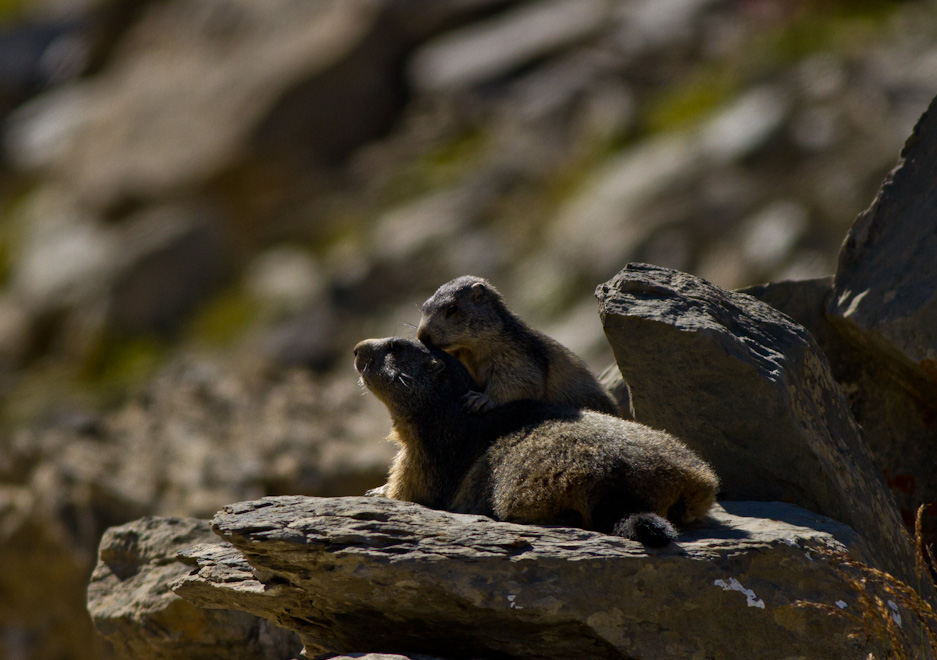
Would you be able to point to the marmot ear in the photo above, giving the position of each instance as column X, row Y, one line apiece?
column 436, row 366
column 478, row 291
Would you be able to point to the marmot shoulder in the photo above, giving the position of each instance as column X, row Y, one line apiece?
column 528, row 461
column 510, row 360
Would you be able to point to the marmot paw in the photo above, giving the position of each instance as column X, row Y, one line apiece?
column 380, row 491
column 476, row 402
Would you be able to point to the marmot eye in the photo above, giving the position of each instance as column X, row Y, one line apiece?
column 451, row 310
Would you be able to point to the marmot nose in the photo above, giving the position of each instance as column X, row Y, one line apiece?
column 423, row 334
column 364, row 350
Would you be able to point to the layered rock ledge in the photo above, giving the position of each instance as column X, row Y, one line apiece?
column 132, row 605
column 378, row 575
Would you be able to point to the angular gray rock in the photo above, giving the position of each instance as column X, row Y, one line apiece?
column 884, row 304
column 805, row 301
column 750, row 390
column 132, row 606
column 898, row 426
column 374, row 574
column 885, row 289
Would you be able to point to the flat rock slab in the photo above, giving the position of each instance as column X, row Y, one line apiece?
column 378, row 575
column 750, row 390
column 132, row 606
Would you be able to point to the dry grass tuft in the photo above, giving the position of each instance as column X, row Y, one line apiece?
column 881, row 597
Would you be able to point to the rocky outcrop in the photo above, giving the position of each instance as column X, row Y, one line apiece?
column 885, row 289
column 372, row 574
column 896, row 424
column 875, row 321
column 170, row 144
column 884, row 304
column 132, row 606
column 751, row 391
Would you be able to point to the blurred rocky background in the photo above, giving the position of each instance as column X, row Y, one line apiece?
column 204, row 204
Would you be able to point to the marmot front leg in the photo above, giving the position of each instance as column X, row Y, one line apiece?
column 476, row 402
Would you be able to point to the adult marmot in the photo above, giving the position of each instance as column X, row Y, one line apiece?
column 468, row 318
column 528, row 461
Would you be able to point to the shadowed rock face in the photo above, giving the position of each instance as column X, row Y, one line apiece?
column 750, row 390
column 876, row 322
column 367, row 574
column 885, row 289
column 884, row 304
column 898, row 426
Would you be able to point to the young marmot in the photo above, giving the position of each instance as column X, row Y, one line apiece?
column 528, row 461
column 510, row 360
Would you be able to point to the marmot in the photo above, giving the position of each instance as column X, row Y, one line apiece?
column 528, row 461
column 468, row 318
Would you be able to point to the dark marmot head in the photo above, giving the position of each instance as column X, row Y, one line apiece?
column 461, row 312
column 412, row 380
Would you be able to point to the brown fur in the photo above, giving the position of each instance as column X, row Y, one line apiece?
column 468, row 318
column 575, row 465
column 526, row 461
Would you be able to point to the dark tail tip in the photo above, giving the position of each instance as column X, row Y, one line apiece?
column 648, row 528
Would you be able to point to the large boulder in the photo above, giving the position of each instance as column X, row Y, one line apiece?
column 876, row 321
column 374, row 574
column 132, row 606
column 885, row 289
column 749, row 389
column 884, row 304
